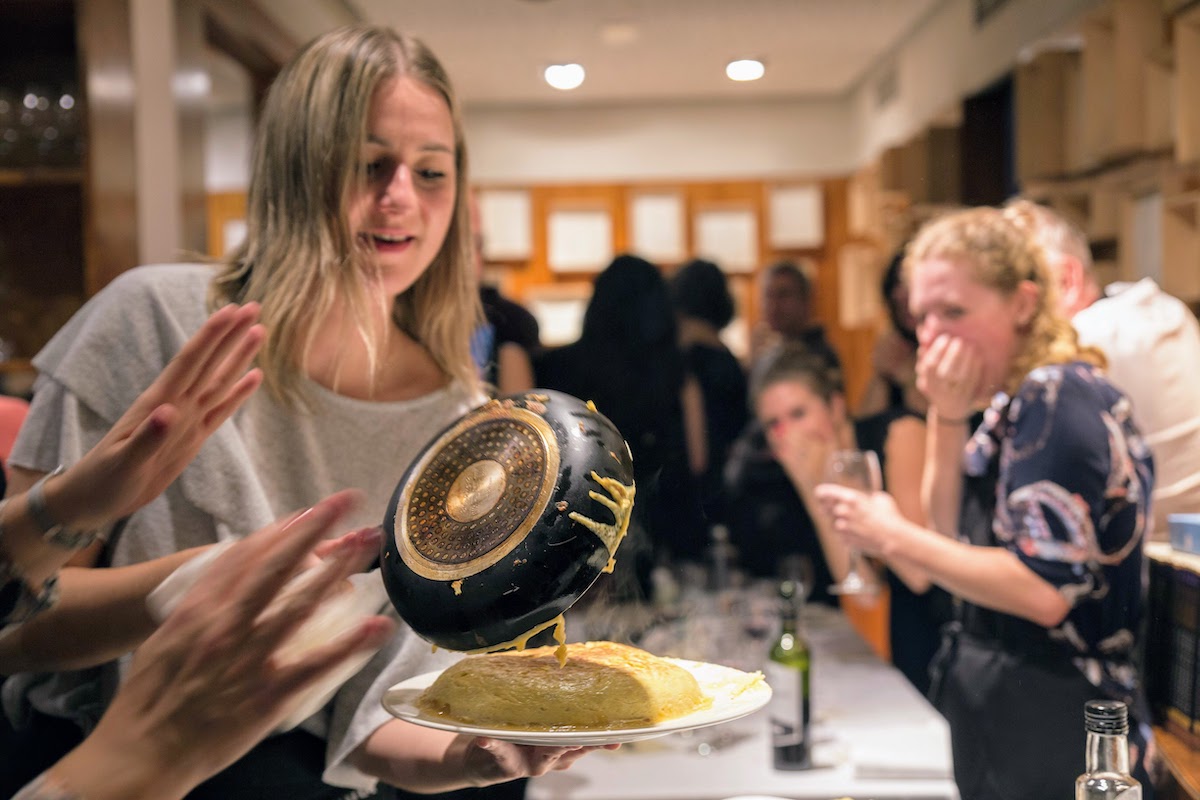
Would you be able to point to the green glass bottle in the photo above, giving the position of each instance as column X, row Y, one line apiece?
column 787, row 673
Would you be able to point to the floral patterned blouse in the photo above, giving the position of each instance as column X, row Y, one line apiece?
column 1072, row 494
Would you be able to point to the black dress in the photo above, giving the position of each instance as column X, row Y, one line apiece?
column 723, row 385
column 643, row 401
column 507, row 321
column 767, row 518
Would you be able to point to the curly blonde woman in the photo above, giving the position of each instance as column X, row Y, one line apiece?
column 1038, row 514
column 357, row 249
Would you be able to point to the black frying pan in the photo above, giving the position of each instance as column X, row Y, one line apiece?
column 493, row 531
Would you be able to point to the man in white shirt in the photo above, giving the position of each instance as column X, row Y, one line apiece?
column 1152, row 341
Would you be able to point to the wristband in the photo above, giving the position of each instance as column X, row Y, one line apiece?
column 53, row 531
column 18, row 600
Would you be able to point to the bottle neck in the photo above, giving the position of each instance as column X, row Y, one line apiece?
column 1107, row 753
column 788, row 617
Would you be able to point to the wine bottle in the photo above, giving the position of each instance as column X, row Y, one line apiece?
column 787, row 673
column 1107, row 776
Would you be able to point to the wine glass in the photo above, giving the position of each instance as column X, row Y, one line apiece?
column 857, row 469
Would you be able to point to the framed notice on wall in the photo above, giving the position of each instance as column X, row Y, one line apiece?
column 506, row 221
column 728, row 237
column 860, row 268
column 579, row 240
column 559, row 310
column 797, row 217
column 657, row 220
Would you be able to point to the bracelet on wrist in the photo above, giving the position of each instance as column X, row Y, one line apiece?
column 18, row 600
column 944, row 420
column 53, row 531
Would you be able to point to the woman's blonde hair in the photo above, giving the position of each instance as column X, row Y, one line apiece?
column 300, row 256
column 1001, row 256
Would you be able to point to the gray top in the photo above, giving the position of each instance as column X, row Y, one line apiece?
column 263, row 463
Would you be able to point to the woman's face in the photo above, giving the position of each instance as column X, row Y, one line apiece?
column 946, row 300
column 406, row 204
column 789, row 408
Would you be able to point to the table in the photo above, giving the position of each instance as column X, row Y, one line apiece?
column 876, row 737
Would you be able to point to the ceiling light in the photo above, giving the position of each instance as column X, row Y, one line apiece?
column 746, row 69
column 564, row 76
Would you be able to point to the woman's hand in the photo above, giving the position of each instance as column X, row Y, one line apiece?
column 211, row 682
column 864, row 520
column 158, row 435
column 949, row 373
column 804, row 456
column 492, row 761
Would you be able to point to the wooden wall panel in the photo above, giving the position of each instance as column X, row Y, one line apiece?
column 221, row 209
column 1042, row 103
column 191, row 103
column 110, row 222
column 853, row 344
column 1187, row 86
column 534, row 278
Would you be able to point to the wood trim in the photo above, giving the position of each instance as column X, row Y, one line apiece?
column 1182, row 762
column 221, row 208
column 241, row 30
column 110, row 189
column 41, row 176
column 191, row 106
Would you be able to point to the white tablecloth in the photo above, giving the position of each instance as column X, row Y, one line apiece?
column 876, row 737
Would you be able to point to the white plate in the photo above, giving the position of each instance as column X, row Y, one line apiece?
column 732, row 699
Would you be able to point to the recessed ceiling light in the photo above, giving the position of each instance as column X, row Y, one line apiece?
column 564, row 76
column 746, row 69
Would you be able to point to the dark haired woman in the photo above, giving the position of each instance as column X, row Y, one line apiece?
column 893, row 383
column 801, row 403
column 628, row 363
column 703, row 308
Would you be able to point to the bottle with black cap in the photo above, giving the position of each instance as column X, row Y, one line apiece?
column 1107, row 776
column 787, row 673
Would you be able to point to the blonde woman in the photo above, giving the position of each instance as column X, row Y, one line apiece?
column 357, row 250
column 1041, row 537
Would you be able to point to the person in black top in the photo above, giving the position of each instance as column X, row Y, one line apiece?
column 893, row 383
column 504, row 344
column 628, row 363
column 787, row 297
column 704, row 306
column 764, row 507
column 801, row 404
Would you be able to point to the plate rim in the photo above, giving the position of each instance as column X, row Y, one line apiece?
column 758, row 695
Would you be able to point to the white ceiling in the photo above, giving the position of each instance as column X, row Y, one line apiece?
column 647, row 51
